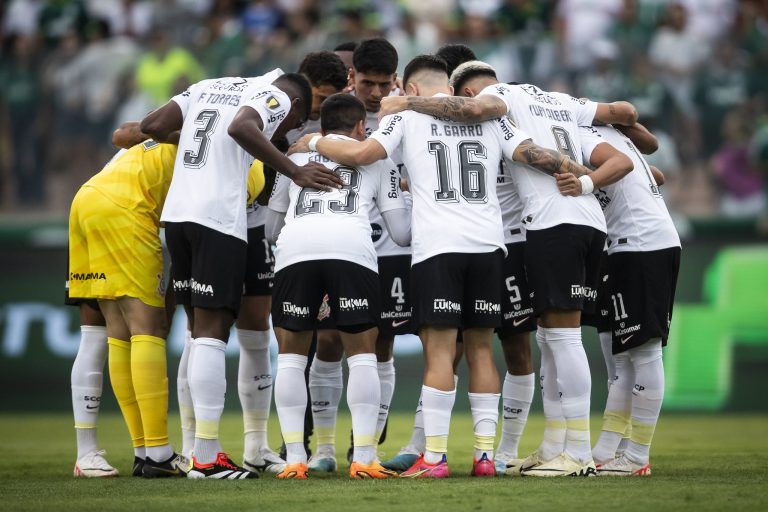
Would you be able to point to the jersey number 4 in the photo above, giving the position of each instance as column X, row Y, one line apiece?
column 473, row 180
column 311, row 200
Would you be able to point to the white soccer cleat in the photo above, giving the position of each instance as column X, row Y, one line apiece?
column 531, row 461
column 507, row 465
column 94, row 465
column 266, row 461
column 562, row 465
column 622, row 466
column 322, row 462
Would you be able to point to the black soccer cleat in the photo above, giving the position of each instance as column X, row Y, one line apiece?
column 176, row 466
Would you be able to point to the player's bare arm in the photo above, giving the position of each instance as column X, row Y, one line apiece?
column 480, row 108
column 164, row 123
column 658, row 176
column 246, row 130
column 346, row 152
column 546, row 160
column 616, row 113
column 645, row 141
column 610, row 166
column 129, row 134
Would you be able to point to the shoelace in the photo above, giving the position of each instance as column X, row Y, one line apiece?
column 224, row 461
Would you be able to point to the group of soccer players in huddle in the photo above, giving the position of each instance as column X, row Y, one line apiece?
column 444, row 204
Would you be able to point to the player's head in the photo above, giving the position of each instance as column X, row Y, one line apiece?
column 297, row 87
column 326, row 74
column 345, row 52
column 343, row 114
column 426, row 75
column 374, row 70
column 472, row 77
column 455, row 54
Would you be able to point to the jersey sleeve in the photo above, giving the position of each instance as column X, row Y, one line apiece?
column 272, row 105
column 590, row 138
column 185, row 99
column 504, row 93
column 390, row 133
column 388, row 196
column 509, row 136
column 280, row 199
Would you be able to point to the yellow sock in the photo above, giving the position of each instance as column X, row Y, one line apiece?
column 150, row 381
column 122, row 386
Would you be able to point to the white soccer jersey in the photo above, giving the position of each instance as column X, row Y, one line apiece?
column 634, row 209
column 210, row 176
column 334, row 225
column 453, row 170
column 552, row 120
column 510, row 203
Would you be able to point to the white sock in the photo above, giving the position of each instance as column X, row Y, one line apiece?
column 87, row 380
column 554, row 422
column 326, row 382
column 387, row 381
column 606, row 344
column 418, row 441
column 291, row 404
column 575, row 384
column 363, row 398
column 159, row 453
column 517, row 395
column 485, row 418
column 140, row 452
column 186, row 408
column 617, row 410
column 648, row 394
column 436, row 408
column 254, row 386
column 208, row 386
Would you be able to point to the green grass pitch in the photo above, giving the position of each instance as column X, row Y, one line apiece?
column 700, row 462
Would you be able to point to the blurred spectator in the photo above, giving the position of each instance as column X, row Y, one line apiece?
column 162, row 65
column 528, row 23
column 753, row 35
column 21, row 17
column 136, row 104
column 223, row 45
column 740, row 182
column 19, row 106
column 643, row 90
column 260, row 18
column 58, row 18
column 605, row 83
column 710, row 20
column 491, row 46
column 132, row 18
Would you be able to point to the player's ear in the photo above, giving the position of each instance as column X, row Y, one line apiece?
column 450, row 88
column 351, row 76
column 469, row 93
column 412, row 89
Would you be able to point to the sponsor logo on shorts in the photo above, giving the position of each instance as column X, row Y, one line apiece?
column 263, row 276
column 193, row 286
column 483, row 306
column 396, row 323
column 86, row 276
column 518, row 313
column 446, row 306
column 347, row 304
column 626, row 330
column 517, row 321
column 294, row 310
column 585, row 292
column 386, row 315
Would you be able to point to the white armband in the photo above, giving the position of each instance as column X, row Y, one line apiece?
column 587, row 185
column 313, row 142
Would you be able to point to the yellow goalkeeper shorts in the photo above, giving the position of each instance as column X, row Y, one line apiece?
column 113, row 252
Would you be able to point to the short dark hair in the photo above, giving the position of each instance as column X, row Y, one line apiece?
column 340, row 113
column 349, row 46
column 468, row 71
column 454, row 54
column 324, row 68
column 297, row 85
column 375, row 56
column 422, row 62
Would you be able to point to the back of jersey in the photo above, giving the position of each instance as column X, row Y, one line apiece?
column 209, row 186
column 552, row 120
column 634, row 208
column 452, row 170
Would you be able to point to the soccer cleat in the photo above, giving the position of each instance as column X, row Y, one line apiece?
column 483, row 467
column 562, row 465
column 531, row 461
column 622, row 466
column 374, row 470
column 266, row 461
column 296, row 471
column 93, row 465
column 422, row 469
column 322, row 463
column 138, row 466
column 221, row 469
column 177, row 465
column 403, row 460
column 509, row 466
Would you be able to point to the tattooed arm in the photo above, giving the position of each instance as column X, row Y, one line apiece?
column 546, row 160
column 618, row 112
column 456, row 108
column 611, row 165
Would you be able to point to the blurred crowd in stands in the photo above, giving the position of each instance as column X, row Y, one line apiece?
column 72, row 70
